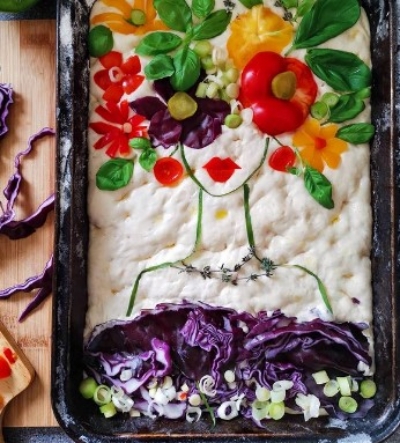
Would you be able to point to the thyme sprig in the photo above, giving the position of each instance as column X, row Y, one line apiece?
column 231, row 274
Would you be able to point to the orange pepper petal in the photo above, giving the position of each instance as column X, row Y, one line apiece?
column 328, row 131
column 122, row 5
column 336, row 145
column 312, row 127
column 301, row 138
column 312, row 157
column 331, row 158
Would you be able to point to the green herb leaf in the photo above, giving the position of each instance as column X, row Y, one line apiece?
column 357, row 133
column 140, row 143
column 201, row 8
column 147, row 159
column 347, row 108
column 100, row 41
column 325, row 20
column 209, row 409
column 160, row 67
column 305, row 7
column 319, row 187
column 214, row 25
column 176, row 14
column 341, row 70
column 158, row 43
column 363, row 93
column 250, row 3
column 321, row 287
column 295, row 171
column 114, row 174
column 186, row 69
column 288, row 4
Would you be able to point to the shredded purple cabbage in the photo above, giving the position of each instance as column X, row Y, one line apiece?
column 18, row 229
column 190, row 340
column 6, row 98
column 196, row 132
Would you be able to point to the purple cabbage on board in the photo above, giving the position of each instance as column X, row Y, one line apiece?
column 18, row 229
column 6, row 98
column 196, row 132
column 195, row 339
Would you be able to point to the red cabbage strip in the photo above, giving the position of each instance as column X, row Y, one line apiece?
column 43, row 282
column 23, row 228
column 6, row 98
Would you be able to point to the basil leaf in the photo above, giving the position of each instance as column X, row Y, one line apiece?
column 250, row 3
column 342, row 71
column 140, row 143
column 114, row 174
column 147, row 159
column 319, row 187
column 186, row 69
column 326, row 19
column 158, row 43
column 288, row 4
column 357, row 133
column 304, row 7
column 347, row 108
column 201, row 8
column 176, row 14
column 160, row 67
column 214, row 25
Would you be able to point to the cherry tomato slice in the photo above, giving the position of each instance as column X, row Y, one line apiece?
column 282, row 159
column 5, row 370
column 168, row 171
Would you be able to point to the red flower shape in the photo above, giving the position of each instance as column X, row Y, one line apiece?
column 123, row 126
column 118, row 76
column 221, row 169
column 279, row 90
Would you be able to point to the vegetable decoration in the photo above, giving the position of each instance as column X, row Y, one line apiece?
column 138, row 19
column 118, row 76
column 193, row 345
column 258, row 30
column 279, row 90
column 168, row 171
column 221, row 169
column 196, row 131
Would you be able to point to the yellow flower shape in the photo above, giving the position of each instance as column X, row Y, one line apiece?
column 318, row 146
column 120, row 22
column 255, row 31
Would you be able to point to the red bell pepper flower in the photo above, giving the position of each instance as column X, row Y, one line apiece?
column 279, row 90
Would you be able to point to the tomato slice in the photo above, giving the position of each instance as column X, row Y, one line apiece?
column 168, row 171
column 282, row 159
column 221, row 169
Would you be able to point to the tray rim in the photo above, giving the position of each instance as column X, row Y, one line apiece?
column 66, row 233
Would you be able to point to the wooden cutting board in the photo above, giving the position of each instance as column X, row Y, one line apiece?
column 27, row 61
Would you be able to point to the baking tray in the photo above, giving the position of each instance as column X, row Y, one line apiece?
column 79, row 418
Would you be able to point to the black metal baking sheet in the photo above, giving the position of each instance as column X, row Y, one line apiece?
column 80, row 419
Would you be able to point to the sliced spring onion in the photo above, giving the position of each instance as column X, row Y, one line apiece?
column 330, row 98
column 88, row 387
column 278, row 396
column 320, row 377
column 123, row 404
column 229, row 376
column 102, row 395
column 283, row 385
column 207, row 386
column 262, row 394
column 108, row 410
column 193, row 413
column 348, row 404
column 259, row 410
column 367, row 388
column 195, row 400
column 227, row 410
column 276, row 410
column 320, row 110
column 331, row 388
column 344, row 386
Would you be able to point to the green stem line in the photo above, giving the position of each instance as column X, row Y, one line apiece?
column 201, row 186
column 197, row 241
column 322, row 289
column 247, row 215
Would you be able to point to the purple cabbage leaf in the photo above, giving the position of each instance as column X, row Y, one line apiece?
column 6, row 98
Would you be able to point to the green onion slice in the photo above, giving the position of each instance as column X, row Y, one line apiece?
column 348, row 404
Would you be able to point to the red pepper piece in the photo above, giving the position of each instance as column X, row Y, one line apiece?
column 221, row 169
